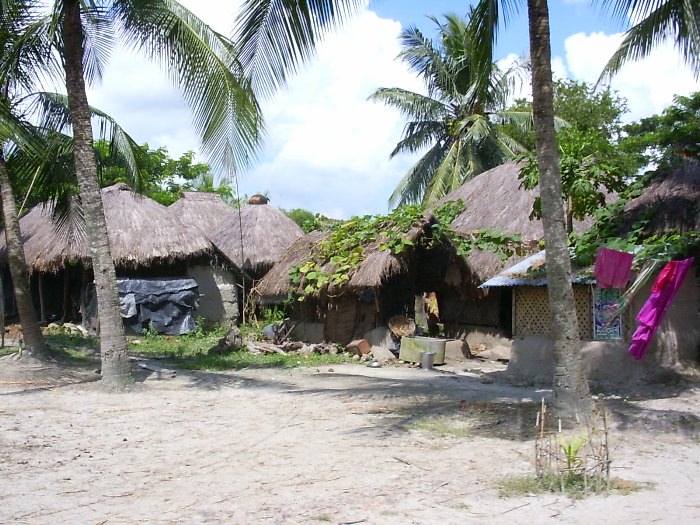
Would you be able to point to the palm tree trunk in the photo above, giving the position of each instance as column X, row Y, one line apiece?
column 116, row 373
column 34, row 343
column 572, row 397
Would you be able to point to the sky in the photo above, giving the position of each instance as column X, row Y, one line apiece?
column 327, row 147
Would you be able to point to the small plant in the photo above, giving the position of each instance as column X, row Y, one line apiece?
column 571, row 446
column 150, row 333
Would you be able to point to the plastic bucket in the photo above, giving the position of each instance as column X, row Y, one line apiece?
column 426, row 360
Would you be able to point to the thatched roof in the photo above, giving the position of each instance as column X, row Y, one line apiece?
column 671, row 202
column 376, row 267
column 206, row 211
column 494, row 201
column 267, row 233
column 141, row 232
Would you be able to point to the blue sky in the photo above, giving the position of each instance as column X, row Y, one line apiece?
column 567, row 17
column 327, row 147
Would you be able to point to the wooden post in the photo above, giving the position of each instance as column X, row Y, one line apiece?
column 2, row 314
column 67, row 310
column 42, row 308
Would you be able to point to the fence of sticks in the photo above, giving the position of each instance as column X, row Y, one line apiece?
column 577, row 458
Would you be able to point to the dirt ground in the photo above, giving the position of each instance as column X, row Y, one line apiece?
column 345, row 444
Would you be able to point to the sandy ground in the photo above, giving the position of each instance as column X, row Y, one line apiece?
column 340, row 445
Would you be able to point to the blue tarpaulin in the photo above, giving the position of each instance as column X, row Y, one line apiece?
column 165, row 305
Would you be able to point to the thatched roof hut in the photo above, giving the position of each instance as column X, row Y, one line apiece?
column 141, row 233
column 380, row 286
column 668, row 203
column 205, row 211
column 495, row 201
column 266, row 234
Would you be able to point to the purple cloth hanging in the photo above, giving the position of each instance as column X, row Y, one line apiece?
column 612, row 268
column 652, row 313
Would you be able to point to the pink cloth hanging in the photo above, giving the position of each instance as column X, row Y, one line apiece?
column 652, row 313
column 612, row 268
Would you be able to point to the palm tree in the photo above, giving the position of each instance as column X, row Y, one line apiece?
column 459, row 116
column 658, row 19
column 572, row 397
column 678, row 20
column 22, row 47
column 201, row 61
column 41, row 158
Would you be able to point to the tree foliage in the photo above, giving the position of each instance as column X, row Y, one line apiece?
column 591, row 161
column 163, row 178
column 670, row 136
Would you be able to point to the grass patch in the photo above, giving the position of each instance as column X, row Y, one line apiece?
column 573, row 486
column 70, row 350
column 241, row 360
column 76, row 356
column 190, row 352
column 7, row 350
column 186, row 351
column 444, row 426
column 71, row 341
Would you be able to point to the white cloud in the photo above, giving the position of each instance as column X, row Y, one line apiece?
column 648, row 85
column 327, row 147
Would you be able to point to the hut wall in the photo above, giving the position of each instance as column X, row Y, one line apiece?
column 463, row 315
column 348, row 318
column 52, row 286
column 532, row 311
column 678, row 337
column 218, row 297
column 607, row 363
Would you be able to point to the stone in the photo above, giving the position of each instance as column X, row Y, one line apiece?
column 497, row 353
column 231, row 342
column 457, row 350
column 380, row 336
column 359, row 346
column 382, row 355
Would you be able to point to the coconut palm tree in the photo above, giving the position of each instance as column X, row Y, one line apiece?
column 23, row 46
column 200, row 61
column 659, row 18
column 459, row 116
column 40, row 158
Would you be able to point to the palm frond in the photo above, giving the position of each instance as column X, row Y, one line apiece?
column 52, row 115
column 448, row 173
column 660, row 20
column 50, row 173
column 26, row 47
column 419, row 134
column 202, row 63
column 275, row 37
column 410, row 104
column 15, row 132
column 98, row 29
column 411, row 188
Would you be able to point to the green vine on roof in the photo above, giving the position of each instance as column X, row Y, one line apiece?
column 608, row 223
column 344, row 248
